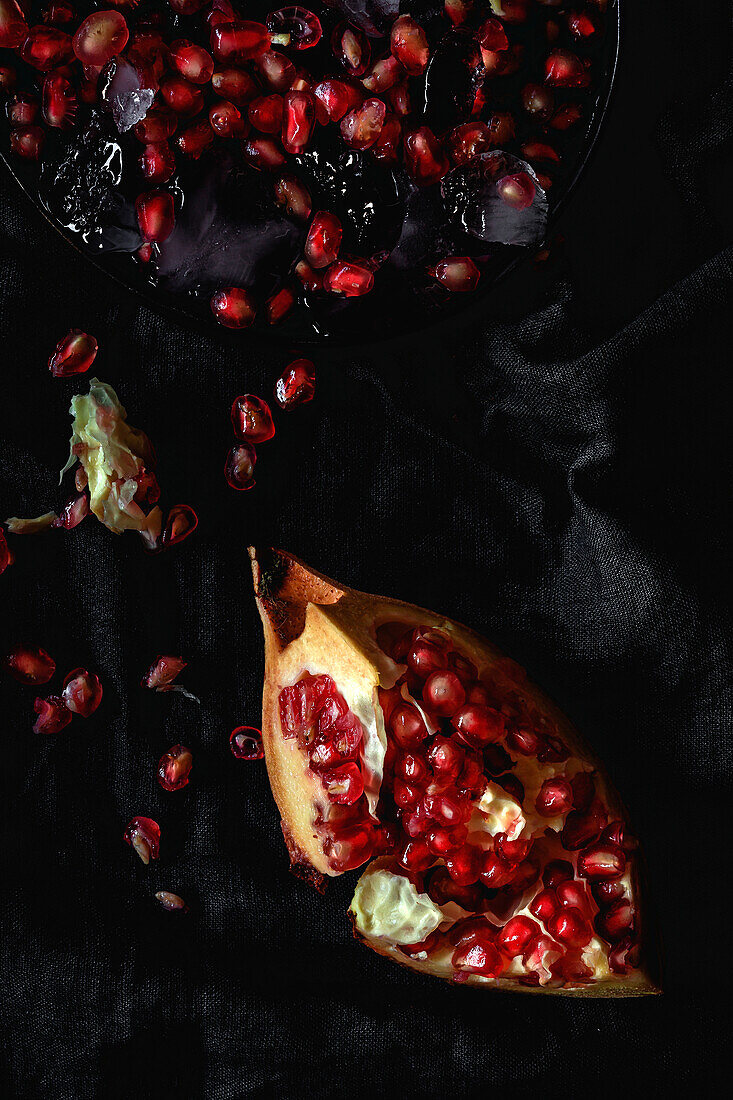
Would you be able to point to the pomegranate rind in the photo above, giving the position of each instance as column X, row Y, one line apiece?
column 312, row 623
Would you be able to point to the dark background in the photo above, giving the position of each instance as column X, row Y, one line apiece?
column 556, row 474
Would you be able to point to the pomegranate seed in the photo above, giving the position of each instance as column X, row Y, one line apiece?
column 605, row 892
column 557, row 871
column 444, row 842
column 155, row 216
column 492, row 36
column 446, row 758
column 181, row 96
column 351, row 48
column 298, row 121
column 570, row 927
column 349, row 848
column 343, row 785
column 555, row 798
column 581, row 829
column 234, row 85
column 425, row 160
column 163, row 672
column 192, row 62
column 53, row 715
column 479, row 956
column 174, row 768
column 516, row 936
column 407, row 726
column 545, row 905
column 415, row 855
column 617, row 921
column 566, row 116
column 13, row 27
column 172, row 903
column 581, row 25
column 409, row 45
column 361, row 127
column 101, row 36
column 226, row 120
column 182, row 521
column 564, row 69
column 157, row 162
column 324, row 240
column 601, row 861
column 384, row 75
column 29, row 664
column 389, row 142
column 511, row 11
column 193, row 141
column 517, row 191
column 399, row 100
column 143, row 834
column 74, row 354
column 263, row 153
column 572, row 893
column 412, row 767
column 6, row 558
column 8, row 77
column 238, row 41
column 624, row 956
column 239, row 467
column 296, row 385
column 406, row 795
column 277, row 71
column 292, row 197
column 348, row 278
column 468, row 140
column 477, row 725
column 148, row 489
column 458, row 274
column 337, row 98
column 59, row 102
column 463, row 866
column 27, row 142
column 495, row 872
column 233, row 307
column 23, row 110
column 46, row 48
column 246, row 743
column 266, row 113
column 252, row 419
column 538, row 100
column 295, row 27
column 279, row 305
column 82, row 692
column 457, row 11
column 425, row 658
column 159, row 124
column 444, row 693
column 540, row 151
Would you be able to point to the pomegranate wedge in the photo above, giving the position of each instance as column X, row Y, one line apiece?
column 503, row 854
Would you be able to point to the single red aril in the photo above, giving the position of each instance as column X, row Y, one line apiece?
column 298, row 121
column 101, row 36
column 82, row 692
column 388, row 144
column 601, row 861
column 296, row 385
column 350, row 847
column 444, row 693
column 516, row 936
column 557, row 871
column 29, row 664
column 148, row 489
column 443, row 841
column 351, row 48
column 324, row 240
column 566, row 116
column 540, row 151
column 348, row 278
column 545, row 905
column 605, row 891
column 570, row 892
column 624, row 956
column 468, row 140
column 458, row 274
column 517, row 190
column 492, row 36
column 172, row 903
column 581, row 829
column 73, row 512
column 59, row 102
column 155, row 215
column 193, row 62
column 399, row 100
column 384, row 75
column 53, row 715
column 181, row 96
column 246, row 743
column 13, row 27
column 343, row 785
column 234, row 85
column 233, row 307
column 555, row 798
column 276, row 70
column 617, row 921
column 174, row 768
column 143, row 834
column 361, row 127
column 425, row 159
column 182, row 521
column 294, row 27
column 193, row 141
column 564, row 69
column 252, row 419
column 22, row 110
column 239, row 468
column 415, row 855
column 337, row 97
column 479, row 956
column 570, row 927
column 226, row 120
column 46, row 48
column 163, row 672
column 264, row 154
column 477, row 725
column 279, row 305
column 157, row 162
column 446, row 758
column 425, row 657
column 511, row 11
column 495, row 871
column 412, row 767
column 581, row 25
column 538, row 100
column 512, row 851
column 464, row 866
column 238, row 41
column 266, row 113
column 159, row 124
column 74, row 354
column 409, row 45
column 407, row 726
column 8, row 78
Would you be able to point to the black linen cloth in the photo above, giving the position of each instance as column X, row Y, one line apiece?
column 555, row 474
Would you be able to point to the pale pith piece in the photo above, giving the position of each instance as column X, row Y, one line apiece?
column 498, row 852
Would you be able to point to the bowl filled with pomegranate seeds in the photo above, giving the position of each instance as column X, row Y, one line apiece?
column 332, row 172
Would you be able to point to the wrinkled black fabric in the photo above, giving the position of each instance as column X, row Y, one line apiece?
column 555, row 473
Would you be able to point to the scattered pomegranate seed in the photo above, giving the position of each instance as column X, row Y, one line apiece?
column 27, row 142
column 172, row 903
column 516, row 936
column 266, row 113
column 8, row 79
column 297, row 121
column 234, row 85
column 155, row 216
column 264, row 154
column 425, row 160
column 182, row 521
column 361, row 127
column 279, row 305
column 277, row 71
column 348, row 278
column 59, row 102
column 252, row 419
column 566, row 116
column 53, row 715
column 163, row 672
column 193, row 62
column 174, row 768
column 564, row 69
column 337, row 97
column 296, row 385
column 13, row 27
column 193, row 141
column 351, row 48
column 239, row 467
column 82, row 692
column 246, row 743
column 324, row 240
column 181, row 96
column 46, row 48
column 159, row 124
column 239, row 41
column 101, row 36
column 157, row 162
column 517, row 191
column 458, row 274
column 233, row 307
column 581, row 25
column 29, row 664
column 409, row 45
column 295, row 27
column 143, row 834
column 292, row 197
column 74, row 354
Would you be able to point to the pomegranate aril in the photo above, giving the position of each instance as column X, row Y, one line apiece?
column 59, row 102
column 617, row 921
column 607, row 891
column 194, row 140
column 384, row 75
column 458, row 274
column 566, row 116
column 155, row 216
column 349, row 847
column 517, row 190
column 538, row 100
column 294, row 27
column 570, row 927
column 337, row 98
column 276, row 70
column 297, row 121
column 174, row 768
column 464, row 866
column 13, row 26
column 348, row 278
column 478, row 725
column 296, row 385
column 581, row 829
column 601, row 861
column 234, row 85
column 444, row 693
column 424, row 658
column 239, row 40
column 101, row 36
column 157, row 162
column 425, row 159
column 163, row 672
column 6, row 558
column 27, row 142
column 239, row 467
column 557, row 871
column 351, row 48
column 468, row 140
column 23, row 110
column 555, row 798
column 573, row 893
column 415, row 855
column 53, row 715
column 74, row 354
column 143, row 834
column 407, row 726
column 246, row 743
column 46, row 48
column 193, row 62
column 181, row 96
column 444, row 841
column 479, row 956
column 279, row 305
column 182, row 521
column 263, row 153
column 446, row 758
column 545, row 905
column 82, row 692
column 172, row 903
column 233, row 307
column 409, row 45
column 29, row 664
column 624, row 956
column 266, row 113
column 8, row 79
column 516, row 936
column 399, row 100
column 159, row 124
column 361, row 127
column 343, row 785
column 564, row 69
column 251, row 419
column 226, row 120
column 492, row 36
